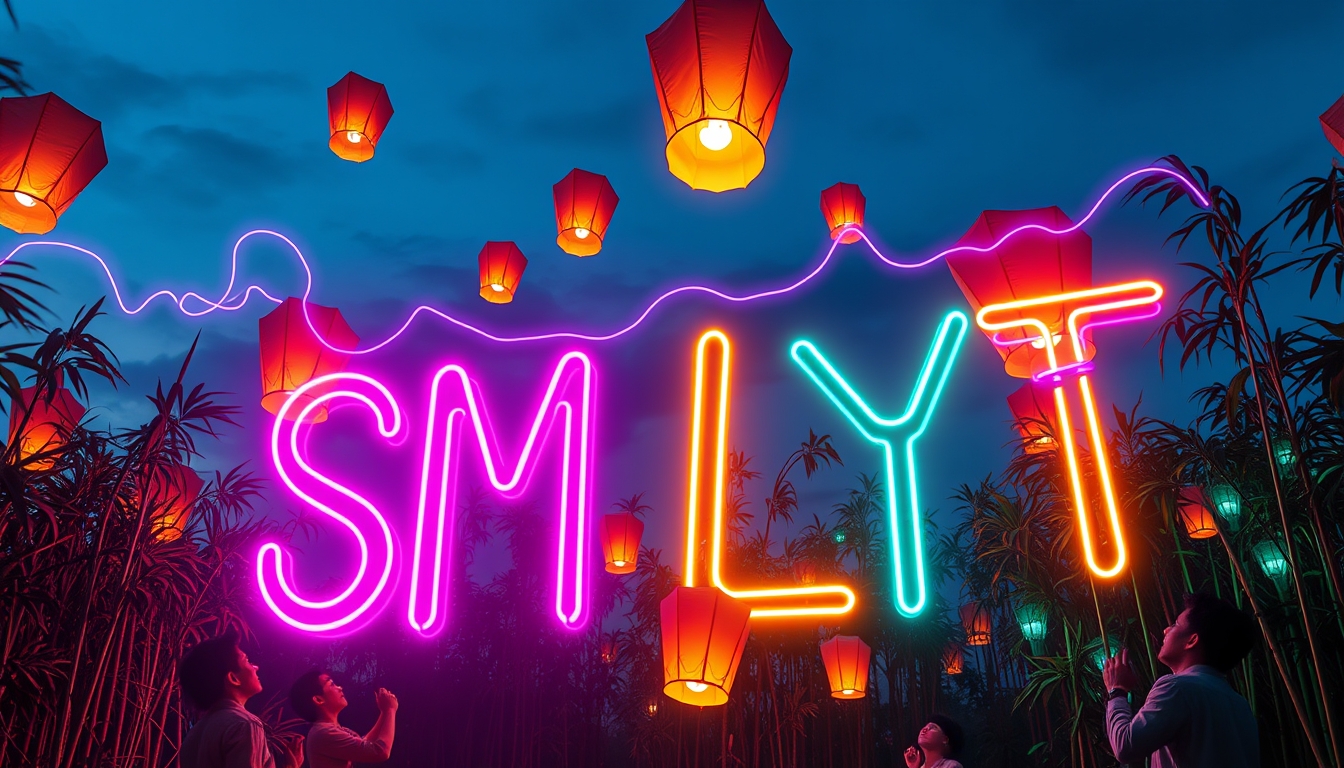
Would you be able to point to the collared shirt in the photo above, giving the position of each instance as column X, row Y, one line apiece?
column 1190, row 720
column 227, row 737
column 330, row 745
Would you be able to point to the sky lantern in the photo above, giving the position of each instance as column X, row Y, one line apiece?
column 1332, row 122
column 1194, row 512
column 1227, row 502
column 842, row 204
column 620, row 533
column 584, row 203
column 846, row 658
column 953, row 660
column 1031, row 405
column 357, row 111
column 48, row 424
column 719, row 68
column 502, row 266
column 171, row 493
column 975, row 619
column 704, row 632
column 49, row 151
column 291, row 355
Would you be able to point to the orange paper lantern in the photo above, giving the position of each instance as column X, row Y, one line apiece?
column 292, row 356
column 1029, row 265
column 842, row 205
column 805, row 573
column 719, row 67
column 502, row 266
column 953, row 660
column 171, row 493
column 48, row 423
column 584, row 203
column 49, row 151
column 975, row 619
column 357, row 112
column 704, row 632
column 1195, row 515
column 846, row 658
column 620, row 534
column 1332, row 122
column 1030, row 405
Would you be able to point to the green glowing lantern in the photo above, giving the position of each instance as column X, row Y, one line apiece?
column 1227, row 502
column 1283, row 452
column 840, row 536
column 1099, row 655
column 1273, row 561
column 1032, row 619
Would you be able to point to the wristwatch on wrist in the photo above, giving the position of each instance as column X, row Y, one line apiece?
column 1116, row 693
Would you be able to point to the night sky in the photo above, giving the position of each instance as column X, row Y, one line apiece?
column 215, row 122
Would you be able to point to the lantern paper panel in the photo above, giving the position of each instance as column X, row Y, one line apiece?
column 843, row 205
column 170, row 494
column 49, row 151
column 1033, row 407
column 975, row 620
column 1332, row 122
column 48, row 423
column 1194, row 512
column 805, row 573
column 703, row 634
column 501, row 265
column 620, row 534
column 291, row 355
column 357, row 113
column 719, row 68
column 953, row 660
column 1031, row 264
column 584, row 204
column 846, row 659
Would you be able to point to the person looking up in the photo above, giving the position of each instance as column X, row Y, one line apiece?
column 938, row 742
column 319, row 700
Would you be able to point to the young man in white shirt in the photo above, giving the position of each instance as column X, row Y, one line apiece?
column 319, row 700
column 1193, row 717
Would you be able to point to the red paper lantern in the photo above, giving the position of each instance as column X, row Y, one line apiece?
column 842, row 205
column 846, row 658
column 975, row 619
column 719, row 67
column 584, row 203
column 953, row 660
column 1332, row 122
column 170, row 493
column 1195, row 515
column 48, row 423
column 49, row 151
column 357, row 112
column 620, row 535
column 292, row 356
column 805, row 573
column 502, row 266
column 1031, row 264
column 1030, row 405
column 703, row 632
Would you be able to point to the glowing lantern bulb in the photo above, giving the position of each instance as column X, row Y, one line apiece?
column 496, row 287
column 352, row 137
column 25, row 200
column 847, row 691
column 840, row 536
column 697, row 687
column 618, row 563
column 581, row 233
column 716, row 135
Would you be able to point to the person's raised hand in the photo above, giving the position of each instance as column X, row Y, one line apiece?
column 293, row 756
column 913, row 757
column 1118, row 673
column 386, row 701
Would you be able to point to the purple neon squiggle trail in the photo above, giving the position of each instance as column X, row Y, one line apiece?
column 228, row 302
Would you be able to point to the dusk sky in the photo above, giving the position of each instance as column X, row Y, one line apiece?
column 215, row 121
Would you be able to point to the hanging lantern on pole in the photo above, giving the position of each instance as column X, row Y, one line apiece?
column 49, row 151
column 620, row 534
column 719, row 68
column 1227, row 502
column 291, row 355
column 1194, row 507
column 501, row 265
column 357, row 114
column 1273, row 559
column 1283, row 453
column 1029, row 405
column 703, row 633
column 1032, row 619
column 846, row 659
column 975, row 620
column 953, row 660
column 171, row 493
column 1332, row 122
column 842, row 204
column 584, row 204
column 47, row 425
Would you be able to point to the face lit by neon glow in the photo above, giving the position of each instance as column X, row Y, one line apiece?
column 1091, row 303
column 716, row 134
column 889, row 433
column 25, row 200
column 709, row 438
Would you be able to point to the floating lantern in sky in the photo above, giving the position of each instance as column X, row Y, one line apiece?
column 1332, row 122
column 953, row 660
column 1030, row 405
column 620, row 534
column 357, row 113
column 584, row 203
column 291, row 355
column 975, row 619
column 846, row 658
column 704, row 632
column 1194, row 513
column 1227, row 502
column 171, row 493
column 502, row 266
column 842, row 204
column 48, row 424
column 719, row 68
column 49, row 151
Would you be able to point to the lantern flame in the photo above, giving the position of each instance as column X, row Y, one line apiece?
column 716, row 135
column 352, row 137
column 25, row 200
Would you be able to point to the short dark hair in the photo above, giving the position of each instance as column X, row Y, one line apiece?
column 1226, row 633
column 952, row 730
column 303, row 690
column 205, row 666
